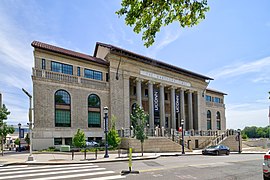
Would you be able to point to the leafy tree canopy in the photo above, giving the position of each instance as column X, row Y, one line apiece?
column 138, row 118
column 256, row 132
column 78, row 139
column 148, row 16
column 113, row 138
column 3, row 114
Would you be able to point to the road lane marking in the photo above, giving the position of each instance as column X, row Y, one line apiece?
column 107, row 177
column 50, row 173
column 73, row 175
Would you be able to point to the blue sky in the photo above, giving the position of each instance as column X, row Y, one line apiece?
column 232, row 45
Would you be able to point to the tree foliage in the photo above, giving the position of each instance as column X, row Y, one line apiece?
column 139, row 119
column 113, row 138
column 27, row 139
column 78, row 139
column 4, row 129
column 256, row 132
column 148, row 16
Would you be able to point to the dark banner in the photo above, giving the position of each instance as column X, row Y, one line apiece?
column 177, row 103
column 156, row 100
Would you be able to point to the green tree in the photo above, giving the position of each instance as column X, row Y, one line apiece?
column 17, row 141
column 148, row 16
column 113, row 138
column 3, row 116
column 27, row 139
column 139, row 119
column 78, row 139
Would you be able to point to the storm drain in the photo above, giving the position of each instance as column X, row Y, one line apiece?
column 152, row 163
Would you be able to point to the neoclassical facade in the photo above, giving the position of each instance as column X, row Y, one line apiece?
column 70, row 90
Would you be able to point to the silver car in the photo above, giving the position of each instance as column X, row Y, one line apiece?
column 266, row 166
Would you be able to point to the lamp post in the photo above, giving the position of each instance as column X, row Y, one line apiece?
column 239, row 140
column 30, row 157
column 183, row 134
column 19, row 125
column 105, row 111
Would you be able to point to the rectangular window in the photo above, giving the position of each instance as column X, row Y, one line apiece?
column 166, row 96
column 62, row 68
column 62, row 118
column 94, row 119
column 208, row 98
column 216, row 100
column 78, row 71
column 107, row 77
column 88, row 73
column 43, row 64
column 146, row 92
column 57, row 141
column 68, row 141
column 134, row 90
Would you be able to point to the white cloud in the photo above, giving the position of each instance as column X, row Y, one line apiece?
column 259, row 67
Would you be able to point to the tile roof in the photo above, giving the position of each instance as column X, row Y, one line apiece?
column 55, row 49
column 215, row 91
column 148, row 60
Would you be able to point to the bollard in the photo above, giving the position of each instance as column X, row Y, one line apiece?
column 129, row 165
column 85, row 154
column 72, row 154
column 96, row 153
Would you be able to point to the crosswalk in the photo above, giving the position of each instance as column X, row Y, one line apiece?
column 51, row 172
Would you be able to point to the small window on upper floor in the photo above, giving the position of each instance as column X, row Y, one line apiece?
column 43, row 64
column 89, row 73
column 62, row 68
column 208, row 98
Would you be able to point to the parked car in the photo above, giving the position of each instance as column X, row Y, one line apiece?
column 216, row 150
column 266, row 166
column 92, row 143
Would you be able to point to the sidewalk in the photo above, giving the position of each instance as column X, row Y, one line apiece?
column 46, row 158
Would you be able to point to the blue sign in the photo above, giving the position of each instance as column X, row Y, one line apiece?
column 21, row 133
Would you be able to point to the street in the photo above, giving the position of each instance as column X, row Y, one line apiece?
column 234, row 166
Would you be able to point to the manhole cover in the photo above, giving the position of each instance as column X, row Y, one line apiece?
column 152, row 163
column 57, row 160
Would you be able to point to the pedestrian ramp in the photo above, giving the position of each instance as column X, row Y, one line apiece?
column 51, row 172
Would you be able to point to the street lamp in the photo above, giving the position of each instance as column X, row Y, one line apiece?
column 105, row 111
column 19, row 125
column 183, row 141
column 239, row 140
column 30, row 157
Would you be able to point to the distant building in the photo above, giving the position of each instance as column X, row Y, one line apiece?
column 70, row 90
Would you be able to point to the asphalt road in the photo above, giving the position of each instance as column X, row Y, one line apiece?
column 232, row 167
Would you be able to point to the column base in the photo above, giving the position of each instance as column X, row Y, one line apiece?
column 31, row 158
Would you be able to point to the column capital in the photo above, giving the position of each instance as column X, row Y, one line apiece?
column 172, row 88
column 161, row 85
column 138, row 79
column 150, row 82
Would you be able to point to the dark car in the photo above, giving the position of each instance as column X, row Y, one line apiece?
column 216, row 150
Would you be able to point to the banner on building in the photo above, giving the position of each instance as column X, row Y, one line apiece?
column 156, row 100
column 177, row 103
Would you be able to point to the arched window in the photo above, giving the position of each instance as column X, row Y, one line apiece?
column 209, row 126
column 218, row 121
column 62, row 109
column 94, row 111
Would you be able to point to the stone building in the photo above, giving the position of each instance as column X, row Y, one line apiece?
column 70, row 90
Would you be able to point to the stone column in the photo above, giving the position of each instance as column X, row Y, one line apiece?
column 126, row 102
column 139, row 91
column 173, row 119
column 151, row 105
column 162, row 105
column 190, row 110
